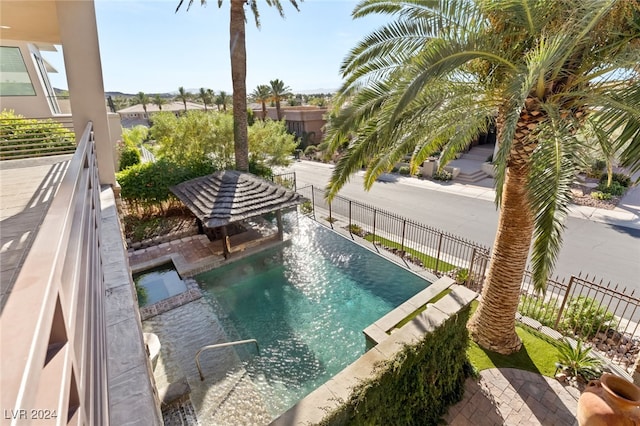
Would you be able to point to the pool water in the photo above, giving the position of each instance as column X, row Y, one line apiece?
column 160, row 283
column 306, row 303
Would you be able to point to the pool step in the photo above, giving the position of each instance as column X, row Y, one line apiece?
column 182, row 414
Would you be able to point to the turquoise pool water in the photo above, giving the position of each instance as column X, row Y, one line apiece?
column 306, row 304
column 160, row 283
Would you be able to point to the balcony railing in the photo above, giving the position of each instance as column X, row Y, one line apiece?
column 36, row 137
column 53, row 349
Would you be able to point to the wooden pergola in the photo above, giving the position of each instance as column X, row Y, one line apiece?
column 230, row 196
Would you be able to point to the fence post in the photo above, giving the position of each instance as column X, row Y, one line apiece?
column 313, row 202
column 438, row 255
column 350, row 220
column 404, row 225
column 295, row 184
column 374, row 227
column 564, row 301
column 470, row 272
column 330, row 217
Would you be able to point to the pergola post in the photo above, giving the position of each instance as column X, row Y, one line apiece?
column 279, row 220
column 226, row 246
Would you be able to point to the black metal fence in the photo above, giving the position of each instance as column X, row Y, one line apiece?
column 440, row 252
column 605, row 316
column 288, row 180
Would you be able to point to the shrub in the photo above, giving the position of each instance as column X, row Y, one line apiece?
column 576, row 362
column 22, row 136
column 541, row 311
column 310, row 150
column 394, row 169
column 619, row 178
column 323, row 146
column 404, row 170
column 598, row 165
column 306, row 207
column 442, row 175
column 601, row 195
column 615, row 189
column 148, row 183
column 260, row 169
column 462, row 275
column 130, row 156
column 356, row 229
column 584, row 316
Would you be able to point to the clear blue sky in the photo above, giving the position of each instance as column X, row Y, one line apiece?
column 147, row 47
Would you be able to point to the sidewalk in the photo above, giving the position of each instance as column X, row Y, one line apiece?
column 626, row 214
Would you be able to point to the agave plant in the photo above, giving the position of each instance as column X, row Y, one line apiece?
column 575, row 361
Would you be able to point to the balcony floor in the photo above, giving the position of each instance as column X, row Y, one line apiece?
column 26, row 189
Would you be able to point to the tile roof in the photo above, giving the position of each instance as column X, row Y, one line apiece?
column 230, row 196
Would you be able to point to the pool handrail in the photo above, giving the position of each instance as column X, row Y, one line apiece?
column 222, row 345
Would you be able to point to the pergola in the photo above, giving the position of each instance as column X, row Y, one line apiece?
column 230, row 196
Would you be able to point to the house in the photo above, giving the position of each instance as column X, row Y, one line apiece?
column 71, row 345
column 136, row 114
column 302, row 121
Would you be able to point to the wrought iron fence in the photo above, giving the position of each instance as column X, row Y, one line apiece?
column 440, row 252
column 603, row 315
column 36, row 137
column 288, row 180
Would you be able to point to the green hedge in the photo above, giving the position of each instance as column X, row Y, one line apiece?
column 148, row 183
column 417, row 386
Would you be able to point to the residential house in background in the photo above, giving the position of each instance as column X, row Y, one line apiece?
column 135, row 115
column 302, row 121
column 71, row 345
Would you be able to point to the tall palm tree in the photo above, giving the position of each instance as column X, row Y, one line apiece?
column 159, row 101
column 262, row 94
column 143, row 99
column 183, row 96
column 440, row 71
column 238, row 51
column 204, row 96
column 278, row 92
column 222, row 99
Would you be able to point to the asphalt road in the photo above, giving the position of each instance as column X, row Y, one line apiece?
column 608, row 252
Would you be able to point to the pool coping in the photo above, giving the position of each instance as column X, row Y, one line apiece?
column 330, row 396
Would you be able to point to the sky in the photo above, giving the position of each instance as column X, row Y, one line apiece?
column 146, row 46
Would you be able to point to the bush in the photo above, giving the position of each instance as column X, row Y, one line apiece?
column 22, row 136
column 260, row 169
column 621, row 179
column 601, row 195
column 310, row 150
column 541, row 311
column 130, row 156
column 442, row 175
column 615, row 189
column 306, row 207
column 323, row 146
column 462, row 275
column 148, row 183
column 576, row 362
column 584, row 317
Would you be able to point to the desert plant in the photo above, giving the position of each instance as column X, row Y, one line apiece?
column 462, row 275
column 404, row 170
column 620, row 178
column 310, row 150
column 356, row 229
column 442, row 175
column 584, row 316
column 306, row 207
column 597, row 195
column 575, row 361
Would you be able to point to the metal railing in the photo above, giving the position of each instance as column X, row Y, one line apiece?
column 36, row 137
column 288, row 180
column 219, row 346
column 53, row 347
column 603, row 315
column 440, row 252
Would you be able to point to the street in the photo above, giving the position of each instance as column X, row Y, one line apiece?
column 608, row 252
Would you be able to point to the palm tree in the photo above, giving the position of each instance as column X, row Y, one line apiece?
column 204, row 96
column 159, row 101
column 222, row 99
column 238, row 51
column 262, row 94
column 143, row 99
column 183, row 96
column 436, row 75
column 278, row 92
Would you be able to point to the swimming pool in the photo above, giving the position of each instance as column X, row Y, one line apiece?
column 160, row 283
column 306, row 304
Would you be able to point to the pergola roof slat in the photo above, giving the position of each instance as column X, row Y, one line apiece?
column 230, row 196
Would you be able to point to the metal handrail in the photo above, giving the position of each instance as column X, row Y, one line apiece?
column 222, row 345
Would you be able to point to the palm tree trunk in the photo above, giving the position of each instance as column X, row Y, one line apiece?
column 264, row 111
column 493, row 324
column 278, row 108
column 238, row 77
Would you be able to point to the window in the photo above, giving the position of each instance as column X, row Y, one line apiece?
column 14, row 78
column 51, row 94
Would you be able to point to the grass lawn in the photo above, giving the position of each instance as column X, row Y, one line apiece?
column 538, row 354
column 428, row 261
